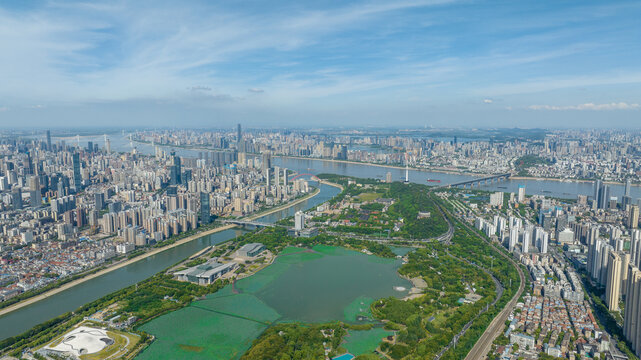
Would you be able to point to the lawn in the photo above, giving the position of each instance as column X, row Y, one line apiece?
column 369, row 196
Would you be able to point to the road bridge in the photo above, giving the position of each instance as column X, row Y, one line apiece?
column 481, row 181
column 247, row 223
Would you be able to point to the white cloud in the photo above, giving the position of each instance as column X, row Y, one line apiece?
column 588, row 106
column 200, row 88
column 256, row 90
column 488, row 101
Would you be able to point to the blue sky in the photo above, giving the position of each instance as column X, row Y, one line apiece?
column 336, row 63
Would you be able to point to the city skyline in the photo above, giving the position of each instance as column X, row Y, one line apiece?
column 411, row 64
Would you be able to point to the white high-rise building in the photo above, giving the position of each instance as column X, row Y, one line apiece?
column 514, row 236
column 635, row 248
column 496, row 199
column 521, row 197
column 544, row 243
column 299, row 221
column 632, row 319
column 527, row 239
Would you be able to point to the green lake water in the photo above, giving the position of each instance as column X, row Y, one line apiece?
column 326, row 284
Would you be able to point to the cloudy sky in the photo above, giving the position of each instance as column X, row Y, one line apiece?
column 313, row 63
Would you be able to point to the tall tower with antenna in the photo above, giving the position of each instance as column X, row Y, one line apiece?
column 407, row 169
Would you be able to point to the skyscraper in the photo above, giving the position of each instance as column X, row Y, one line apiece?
column 626, row 191
column 521, row 197
column 597, row 187
column 635, row 247
column 49, row 140
column 99, row 198
column 205, row 210
column 613, row 284
column 34, row 191
column 633, row 217
column 77, row 177
column 16, row 199
column 267, row 184
column 240, row 143
column 604, row 196
column 632, row 317
column 267, row 161
column 175, row 161
column 285, row 181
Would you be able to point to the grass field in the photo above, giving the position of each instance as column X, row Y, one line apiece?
column 123, row 342
column 369, row 196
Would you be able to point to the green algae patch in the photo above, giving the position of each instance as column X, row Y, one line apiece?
column 191, row 348
column 214, row 328
column 304, row 285
column 290, row 250
column 360, row 342
column 360, row 307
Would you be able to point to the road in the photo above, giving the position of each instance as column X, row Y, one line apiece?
column 484, row 343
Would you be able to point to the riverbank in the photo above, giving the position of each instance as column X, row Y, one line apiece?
column 436, row 170
column 451, row 172
column 66, row 286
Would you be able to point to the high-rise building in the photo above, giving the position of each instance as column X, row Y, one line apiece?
column 626, row 191
column 205, row 212
column 603, row 198
column 625, row 263
column 240, row 142
column 285, row 181
column 267, row 161
column 635, row 247
column 496, row 199
column 34, row 191
column 527, row 239
column 544, row 243
column 613, row 283
column 277, row 176
column 16, row 199
column 597, row 188
column 388, row 177
column 514, row 236
column 49, row 140
column 605, row 260
column 177, row 170
column 521, row 197
column 99, row 198
column 299, row 221
column 632, row 317
column 633, row 217
column 77, row 177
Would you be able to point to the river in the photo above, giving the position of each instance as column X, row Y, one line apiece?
column 552, row 188
column 23, row 319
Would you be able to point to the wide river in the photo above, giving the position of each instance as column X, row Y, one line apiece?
column 23, row 319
